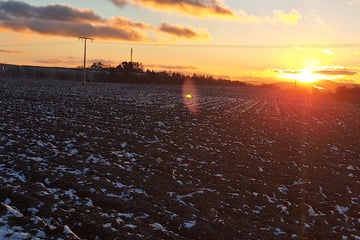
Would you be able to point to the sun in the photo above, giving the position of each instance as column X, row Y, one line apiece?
column 306, row 76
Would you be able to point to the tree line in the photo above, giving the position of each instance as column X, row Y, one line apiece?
column 133, row 72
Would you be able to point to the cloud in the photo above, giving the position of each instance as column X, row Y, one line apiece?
column 285, row 71
column 14, row 9
column 52, row 61
column 215, row 9
column 320, row 72
column 65, row 21
column 72, row 61
column 122, row 21
column 182, row 32
column 328, row 52
column 10, row 51
column 337, row 72
column 60, row 20
column 291, row 18
column 245, row 17
column 196, row 8
column 120, row 3
column 277, row 17
column 317, row 19
column 173, row 67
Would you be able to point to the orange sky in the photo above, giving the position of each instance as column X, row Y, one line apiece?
column 259, row 41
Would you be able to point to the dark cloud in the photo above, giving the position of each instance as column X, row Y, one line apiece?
column 182, row 32
column 336, row 72
column 14, row 9
column 69, row 29
column 120, row 3
column 327, row 71
column 285, row 71
column 63, row 21
column 197, row 8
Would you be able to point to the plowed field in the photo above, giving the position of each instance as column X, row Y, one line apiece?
column 115, row 161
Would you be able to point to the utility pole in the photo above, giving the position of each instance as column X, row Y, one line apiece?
column 85, row 39
column 131, row 56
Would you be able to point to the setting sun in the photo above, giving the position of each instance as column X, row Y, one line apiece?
column 306, row 76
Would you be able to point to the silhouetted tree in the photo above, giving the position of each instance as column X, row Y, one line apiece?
column 129, row 67
column 97, row 66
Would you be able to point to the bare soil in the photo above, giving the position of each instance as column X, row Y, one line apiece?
column 116, row 161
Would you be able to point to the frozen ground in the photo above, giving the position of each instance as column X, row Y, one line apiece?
column 107, row 161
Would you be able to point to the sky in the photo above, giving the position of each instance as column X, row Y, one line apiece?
column 257, row 40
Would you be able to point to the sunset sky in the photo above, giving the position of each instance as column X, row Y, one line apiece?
column 257, row 40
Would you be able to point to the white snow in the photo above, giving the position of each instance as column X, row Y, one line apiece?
column 158, row 226
column 342, row 209
column 283, row 189
column 279, row 231
column 13, row 211
column 311, row 211
column 190, row 224
column 68, row 231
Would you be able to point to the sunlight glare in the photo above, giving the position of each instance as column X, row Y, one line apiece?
column 190, row 99
column 306, row 76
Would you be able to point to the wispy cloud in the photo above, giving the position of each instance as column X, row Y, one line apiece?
column 122, row 21
column 340, row 72
column 290, row 18
column 67, row 61
column 72, row 61
column 120, row 3
column 10, row 51
column 183, row 32
column 173, row 67
column 328, row 52
column 320, row 72
column 214, row 9
column 53, row 61
column 63, row 20
column 196, row 8
column 278, row 17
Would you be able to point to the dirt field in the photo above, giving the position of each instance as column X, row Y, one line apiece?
column 114, row 161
